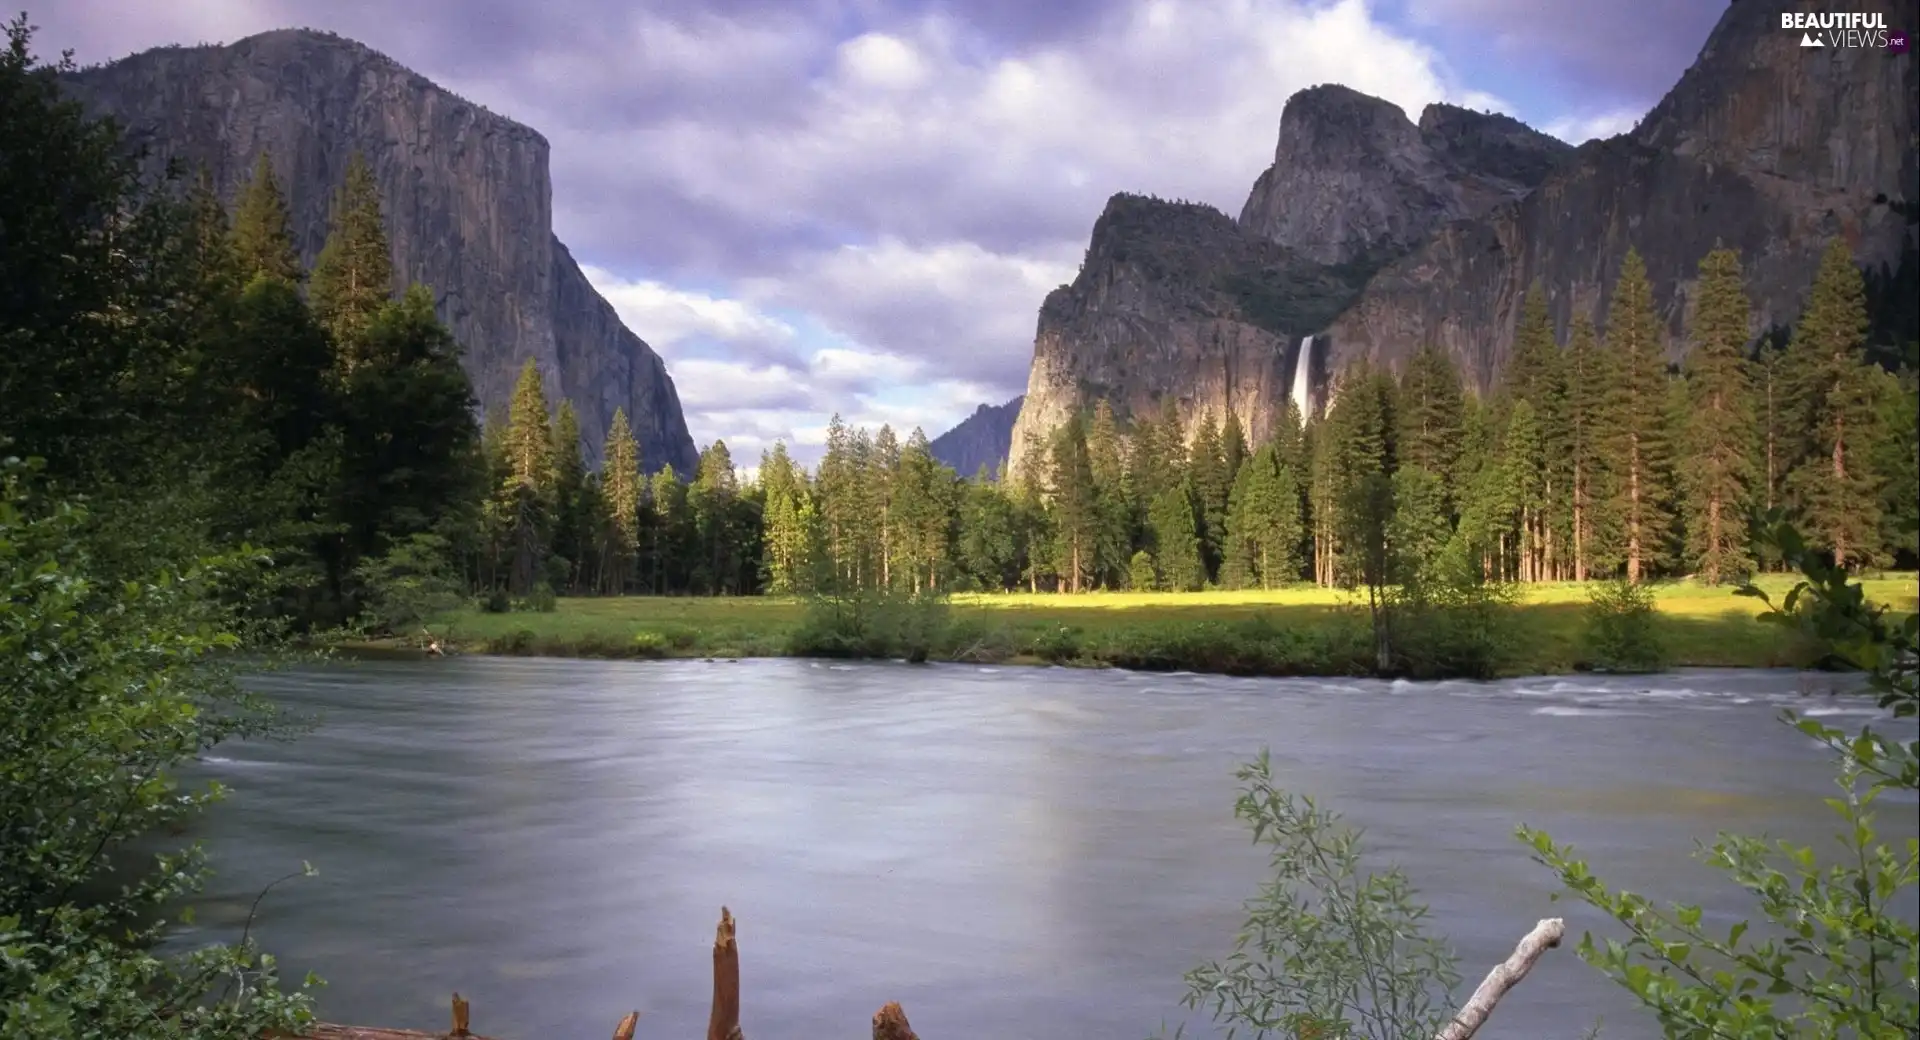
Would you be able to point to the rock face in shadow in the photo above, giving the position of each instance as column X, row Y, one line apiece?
column 1179, row 300
column 465, row 192
column 1763, row 146
column 981, row 439
column 1174, row 299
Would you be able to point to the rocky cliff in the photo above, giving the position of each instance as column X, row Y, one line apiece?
column 1173, row 299
column 1354, row 180
column 981, row 439
column 465, row 192
column 1179, row 300
column 1763, row 145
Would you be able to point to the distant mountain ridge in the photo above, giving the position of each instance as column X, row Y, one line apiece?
column 1388, row 234
column 466, row 194
column 981, row 439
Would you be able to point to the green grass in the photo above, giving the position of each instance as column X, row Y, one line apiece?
column 1290, row 631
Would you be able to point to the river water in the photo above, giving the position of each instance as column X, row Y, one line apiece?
column 1011, row 853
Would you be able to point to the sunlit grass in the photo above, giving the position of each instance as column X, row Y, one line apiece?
column 1708, row 626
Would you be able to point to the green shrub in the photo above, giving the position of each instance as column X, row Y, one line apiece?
column 1622, row 629
column 1329, row 949
column 1140, row 573
column 649, row 645
column 408, row 585
column 865, row 623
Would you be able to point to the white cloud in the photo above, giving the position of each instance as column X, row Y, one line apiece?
column 665, row 316
column 1581, row 129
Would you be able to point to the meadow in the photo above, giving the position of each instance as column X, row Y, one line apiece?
column 1303, row 630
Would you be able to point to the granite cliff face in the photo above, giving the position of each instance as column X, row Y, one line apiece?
column 1180, row 300
column 1354, row 180
column 981, row 439
column 1763, row 146
column 465, row 192
column 1174, row 299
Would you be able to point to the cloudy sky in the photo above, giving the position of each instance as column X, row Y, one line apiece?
column 811, row 206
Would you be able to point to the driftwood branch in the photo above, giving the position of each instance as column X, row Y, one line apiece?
column 724, row 1023
column 1545, row 936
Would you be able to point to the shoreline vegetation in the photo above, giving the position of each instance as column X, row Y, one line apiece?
column 1305, row 631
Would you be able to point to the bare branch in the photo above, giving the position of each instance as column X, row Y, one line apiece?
column 1545, row 936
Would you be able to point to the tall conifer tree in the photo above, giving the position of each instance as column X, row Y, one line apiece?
column 353, row 276
column 263, row 227
column 1635, row 423
column 1832, row 482
column 1717, row 477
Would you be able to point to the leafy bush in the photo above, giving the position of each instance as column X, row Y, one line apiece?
column 1140, row 572
column 1457, row 626
column 650, row 645
column 408, row 585
column 1622, row 629
column 540, row 600
column 1328, row 950
column 853, row 622
column 107, row 687
column 1845, row 959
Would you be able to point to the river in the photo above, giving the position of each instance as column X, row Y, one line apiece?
column 1009, row 852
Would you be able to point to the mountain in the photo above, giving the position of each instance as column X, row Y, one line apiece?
column 1178, row 299
column 1432, row 231
column 466, row 194
column 1762, row 146
column 981, row 439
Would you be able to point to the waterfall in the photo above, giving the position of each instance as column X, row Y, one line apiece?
column 1303, row 378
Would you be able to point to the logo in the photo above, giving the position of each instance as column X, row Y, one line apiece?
column 1844, row 29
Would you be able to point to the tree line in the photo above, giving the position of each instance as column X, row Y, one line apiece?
column 1594, row 457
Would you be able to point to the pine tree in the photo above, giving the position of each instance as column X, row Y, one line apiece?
column 572, row 507
column 1717, row 480
column 1323, row 488
column 836, row 482
column 711, row 502
column 1233, row 444
column 530, row 480
column 1432, row 414
column 1635, row 421
column 1272, row 518
column 1106, row 456
column 1212, row 484
column 1074, row 506
column 1897, row 461
column 353, row 276
column 1588, row 379
column 1418, row 531
column 671, row 529
column 1832, row 482
column 411, row 443
column 1176, row 539
column 620, row 483
column 1534, row 375
column 1238, row 569
column 987, row 547
column 263, row 227
column 882, row 470
column 786, row 565
column 1518, row 493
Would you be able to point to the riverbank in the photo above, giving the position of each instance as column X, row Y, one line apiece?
column 1305, row 631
